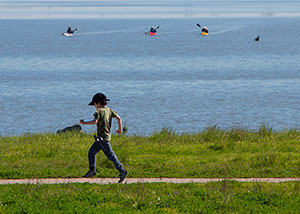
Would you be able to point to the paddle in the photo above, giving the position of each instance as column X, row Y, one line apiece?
column 74, row 30
column 203, row 29
column 155, row 29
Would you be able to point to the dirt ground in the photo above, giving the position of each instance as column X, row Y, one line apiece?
column 139, row 180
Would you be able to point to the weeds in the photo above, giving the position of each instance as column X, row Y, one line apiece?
column 210, row 153
column 265, row 130
column 219, row 197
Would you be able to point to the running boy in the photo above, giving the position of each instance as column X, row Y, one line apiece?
column 102, row 118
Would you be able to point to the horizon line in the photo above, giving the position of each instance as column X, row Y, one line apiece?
column 147, row 16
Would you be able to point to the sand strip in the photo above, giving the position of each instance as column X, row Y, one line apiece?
column 139, row 180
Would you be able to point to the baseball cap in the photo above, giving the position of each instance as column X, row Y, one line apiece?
column 97, row 98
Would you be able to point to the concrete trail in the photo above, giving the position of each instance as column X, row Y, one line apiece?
column 139, row 180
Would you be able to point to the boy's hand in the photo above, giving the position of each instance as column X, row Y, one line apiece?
column 119, row 131
column 81, row 122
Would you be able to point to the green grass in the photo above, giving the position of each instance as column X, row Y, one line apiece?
column 221, row 197
column 210, row 153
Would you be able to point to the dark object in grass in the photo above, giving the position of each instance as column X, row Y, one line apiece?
column 70, row 129
column 125, row 129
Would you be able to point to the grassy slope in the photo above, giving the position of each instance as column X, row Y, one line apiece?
column 210, row 153
column 222, row 197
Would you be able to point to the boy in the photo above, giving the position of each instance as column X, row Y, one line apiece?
column 102, row 118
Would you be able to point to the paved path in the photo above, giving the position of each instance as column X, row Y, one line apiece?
column 139, row 180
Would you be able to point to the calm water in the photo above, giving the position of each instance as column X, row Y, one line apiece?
column 177, row 79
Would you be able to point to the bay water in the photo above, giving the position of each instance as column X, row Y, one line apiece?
column 177, row 79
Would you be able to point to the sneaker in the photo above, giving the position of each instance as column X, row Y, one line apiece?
column 90, row 174
column 123, row 176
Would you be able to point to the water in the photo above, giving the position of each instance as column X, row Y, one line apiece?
column 176, row 79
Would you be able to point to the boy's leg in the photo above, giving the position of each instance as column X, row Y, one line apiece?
column 95, row 148
column 111, row 156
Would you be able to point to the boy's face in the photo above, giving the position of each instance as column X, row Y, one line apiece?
column 97, row 105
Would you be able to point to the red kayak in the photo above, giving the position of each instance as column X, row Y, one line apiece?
column 152, row 33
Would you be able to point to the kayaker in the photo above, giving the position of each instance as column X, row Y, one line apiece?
column 205, row 30
column 70, row 31
column 153, row 30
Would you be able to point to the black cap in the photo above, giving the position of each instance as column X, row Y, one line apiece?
column 98, row 98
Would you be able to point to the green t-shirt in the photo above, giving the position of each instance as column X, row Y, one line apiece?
column 104, row 116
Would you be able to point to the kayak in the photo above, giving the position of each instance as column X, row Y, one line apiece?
column 67, row 34
column 152, row 33
column 204, row 34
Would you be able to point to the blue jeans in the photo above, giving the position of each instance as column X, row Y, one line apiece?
column 107, row 150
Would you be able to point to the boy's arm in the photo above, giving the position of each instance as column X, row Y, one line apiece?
column 119, row 131
column 92, row 122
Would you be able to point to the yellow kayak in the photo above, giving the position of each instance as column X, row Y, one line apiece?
column 204, row 34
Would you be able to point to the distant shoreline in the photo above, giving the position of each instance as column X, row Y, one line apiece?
column 58, row 9
column 145, row 16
